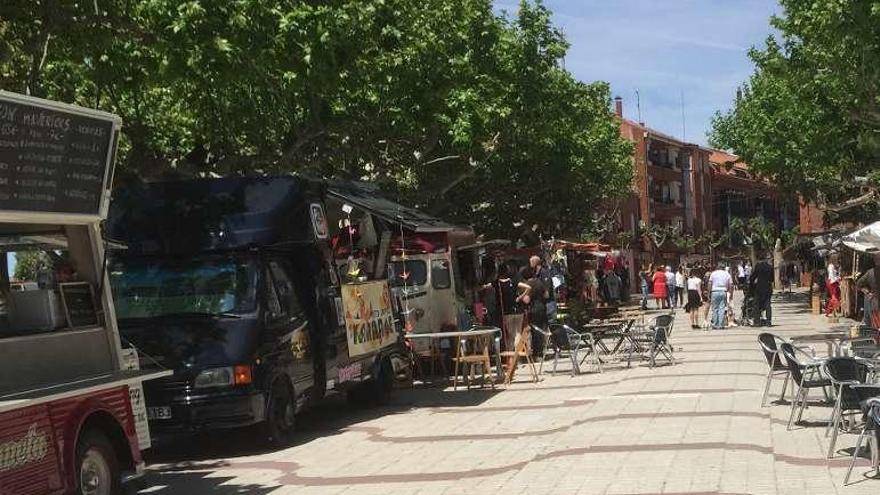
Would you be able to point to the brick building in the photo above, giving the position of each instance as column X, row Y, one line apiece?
column 738, row 193
column 672, row 182
column 696, row 188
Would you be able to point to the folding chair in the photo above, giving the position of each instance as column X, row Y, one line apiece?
column 521, row 349
column 871, row 428
column 805, row 375
column 776, row 367
column 844, row 372
column 660, row 344
column 564, row 340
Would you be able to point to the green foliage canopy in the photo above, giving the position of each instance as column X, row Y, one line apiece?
column 447, row 105
column 809, row 117
column 29, row 263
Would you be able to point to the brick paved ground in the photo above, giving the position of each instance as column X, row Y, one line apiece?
column 693, row 428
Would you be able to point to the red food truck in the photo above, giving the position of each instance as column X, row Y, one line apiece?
column 72, row 419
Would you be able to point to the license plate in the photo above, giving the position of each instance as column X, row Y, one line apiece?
column 163, row 412
column 349, row 373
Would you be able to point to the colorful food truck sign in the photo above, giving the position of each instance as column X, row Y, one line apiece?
column 369, row 319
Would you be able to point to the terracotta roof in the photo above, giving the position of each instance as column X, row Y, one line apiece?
column 723, row 158
column 657, row 134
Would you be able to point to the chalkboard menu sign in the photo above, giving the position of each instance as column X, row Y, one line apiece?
column 54, row 158
column 78, row 300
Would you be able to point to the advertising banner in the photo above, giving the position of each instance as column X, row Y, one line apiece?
column 369, row 319
column 138, row 403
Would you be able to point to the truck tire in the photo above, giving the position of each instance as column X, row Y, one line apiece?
column 280, row 425
column 96, row 469
column 384, row 382
column 377, row 390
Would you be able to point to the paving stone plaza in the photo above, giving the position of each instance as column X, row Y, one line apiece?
column 693, row 428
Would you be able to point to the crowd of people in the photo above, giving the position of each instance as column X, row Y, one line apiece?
column 698, row 289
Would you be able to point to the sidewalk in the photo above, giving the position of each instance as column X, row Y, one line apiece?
column 693, row 428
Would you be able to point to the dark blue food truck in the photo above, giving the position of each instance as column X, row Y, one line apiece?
column 232, row 284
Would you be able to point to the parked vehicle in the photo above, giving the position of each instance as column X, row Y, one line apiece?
column 71, row 413
column 232, row 283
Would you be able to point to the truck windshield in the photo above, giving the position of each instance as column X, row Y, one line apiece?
column 145, row 288
column 414, row 273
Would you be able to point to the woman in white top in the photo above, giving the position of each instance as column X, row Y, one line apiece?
column 695, row 299
column 832, row 286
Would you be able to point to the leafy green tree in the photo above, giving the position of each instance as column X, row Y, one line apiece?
column 686, row 242
column 447, row 105
column 712, row 240
column 809, row 117
column 29, row 263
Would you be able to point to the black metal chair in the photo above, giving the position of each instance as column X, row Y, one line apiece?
column 775, row 365
column 844, row 372
column 565, row 341
column 660, row 343
column 871, row 413
column 653, row 340
column 805, row 375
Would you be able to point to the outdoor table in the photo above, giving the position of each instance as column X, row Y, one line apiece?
column 617, row 328
column 482, row 337
column 831, row 339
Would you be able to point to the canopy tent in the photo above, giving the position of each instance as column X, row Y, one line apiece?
column 864, row 240
column 583, row 247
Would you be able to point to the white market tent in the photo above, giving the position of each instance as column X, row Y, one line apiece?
column 865, row 240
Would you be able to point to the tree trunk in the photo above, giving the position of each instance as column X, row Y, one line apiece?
column 777, row 264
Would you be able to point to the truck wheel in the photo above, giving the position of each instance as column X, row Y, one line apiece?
column 97, row 468
column 383, row 384
column 377, row 390
column 280, row 424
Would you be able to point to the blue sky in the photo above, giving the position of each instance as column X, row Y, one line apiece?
column 663, row 48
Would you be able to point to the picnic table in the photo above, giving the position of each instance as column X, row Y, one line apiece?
column 481, row 337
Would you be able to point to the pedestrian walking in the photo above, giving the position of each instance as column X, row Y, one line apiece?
column 867, row 284
column 661, row 297
column 644, row 285
column 832, row 285
column 543, row 274
column 695, row 298
column 613, row 286
column 670, row 286
column 536, row 304
column 761, row 286
column 679, row 286
column 510, row 294
column 591, row 284
column 741, row 275
column 720, row 285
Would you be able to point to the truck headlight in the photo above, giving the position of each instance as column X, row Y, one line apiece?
column 214, row 377
column 224, row 377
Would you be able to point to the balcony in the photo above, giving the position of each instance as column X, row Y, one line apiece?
column 665, row 173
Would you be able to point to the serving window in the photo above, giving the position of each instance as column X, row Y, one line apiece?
column 45, row 285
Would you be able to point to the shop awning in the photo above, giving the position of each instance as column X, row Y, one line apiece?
column 864, row 240
column 369, row 198
column 583, row 247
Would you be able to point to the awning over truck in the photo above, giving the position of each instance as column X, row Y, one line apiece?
column 369, row 198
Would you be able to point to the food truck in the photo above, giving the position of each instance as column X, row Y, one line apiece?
column 233, row 284
column 71, row 412
column 414, row 250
